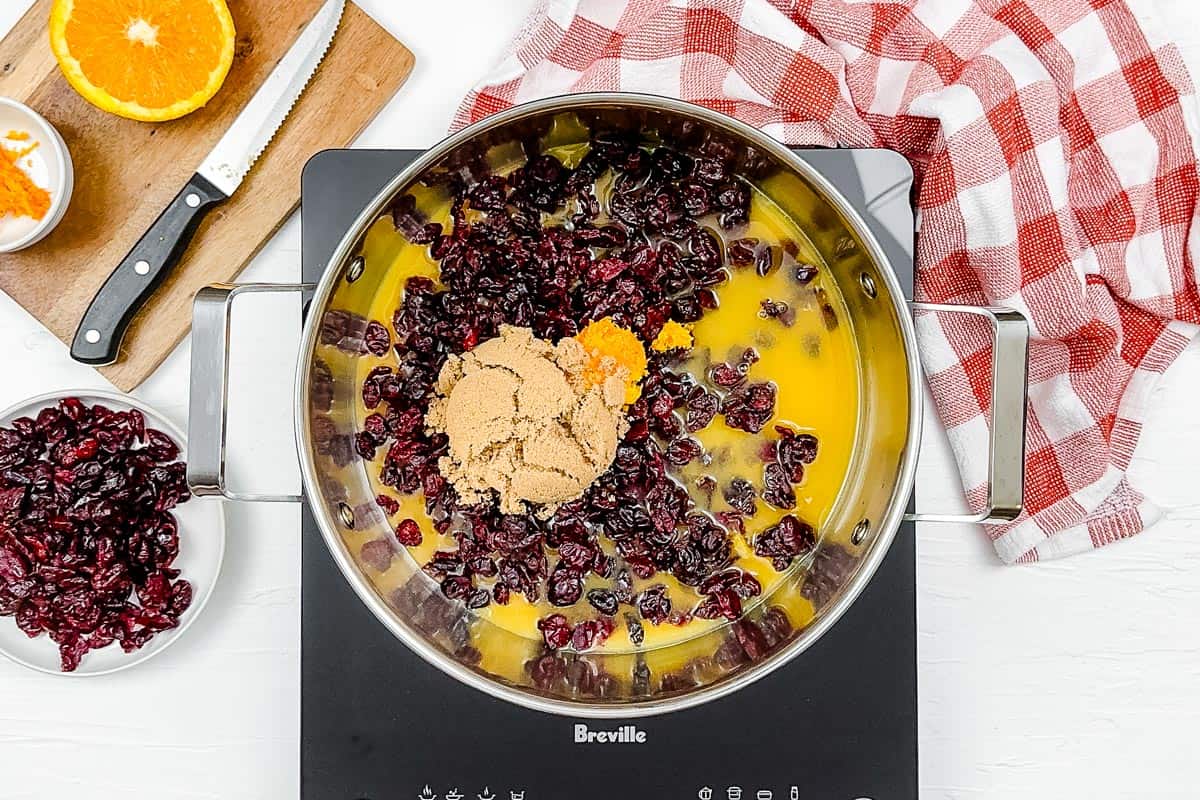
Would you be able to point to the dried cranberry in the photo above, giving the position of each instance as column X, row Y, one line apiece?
column 376, row 427
column 695, row 199
column 590, row 633
column 725, row 376
column 86, row 537
column 734, row 197
column 372, row 389
column 750, row 407
column 771, row 309
column 488, row 194
column 159, row 446
column 702, row 407
column 579, row 556
column 181, row 598
column 686, row 309
column 794, row 451
column 445, row 563
column 683, row 451
column 603, row 600
column 506, row 263
column 710, row 170
column 545, row 169
column 654, row 605
column 805, row 273
column 456, row 587
column 365, row 445
column 747, row 586
column 377, row 339
column 706, row 249
column 408, row 533
column 478, row 598
column 607, row 269
column 623, row 587
column 565, row 587
column 555, row 630
column 767, row 260
column 723, row 602
column 389, row 504
column 760, row 396
column 741, row 252
column 707, row 298
column 740, row 495
column 782, row 542
column 731, row 521
column 777, row 488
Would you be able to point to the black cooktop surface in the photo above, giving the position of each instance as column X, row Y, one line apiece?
column 839, row 722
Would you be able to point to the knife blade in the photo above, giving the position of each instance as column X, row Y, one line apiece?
column 98, row 338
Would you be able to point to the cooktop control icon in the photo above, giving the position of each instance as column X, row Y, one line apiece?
column 454, row 794
column 705, row 793
column 734, row 793
column 427, row 794
column 486, row 794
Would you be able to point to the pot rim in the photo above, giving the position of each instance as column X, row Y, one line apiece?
column 888, row 525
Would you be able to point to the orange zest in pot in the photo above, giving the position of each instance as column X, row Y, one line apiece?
column 609, row 347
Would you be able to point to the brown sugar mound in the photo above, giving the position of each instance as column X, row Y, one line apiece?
column 524, row 422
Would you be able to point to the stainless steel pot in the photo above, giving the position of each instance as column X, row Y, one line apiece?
column 855, row 538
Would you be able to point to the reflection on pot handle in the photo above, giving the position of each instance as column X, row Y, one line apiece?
column 207, row 412
column 1006, row 442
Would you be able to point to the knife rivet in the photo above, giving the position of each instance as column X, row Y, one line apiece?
column 192, row 200
column 92, row 336
column 357, row 265
column 141, row 267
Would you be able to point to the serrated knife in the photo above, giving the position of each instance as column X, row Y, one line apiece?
column 98, row 338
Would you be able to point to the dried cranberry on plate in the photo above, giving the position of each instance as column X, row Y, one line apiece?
column 87, row 537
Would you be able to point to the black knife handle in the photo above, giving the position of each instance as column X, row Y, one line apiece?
column 98, row 338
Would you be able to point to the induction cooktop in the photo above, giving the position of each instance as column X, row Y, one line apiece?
column 839, row 722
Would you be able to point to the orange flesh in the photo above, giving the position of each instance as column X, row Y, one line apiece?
column 150, row 52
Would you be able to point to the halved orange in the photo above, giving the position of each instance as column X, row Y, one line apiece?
column 149, row 60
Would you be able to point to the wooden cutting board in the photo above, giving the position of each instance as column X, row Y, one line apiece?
column 126, row 172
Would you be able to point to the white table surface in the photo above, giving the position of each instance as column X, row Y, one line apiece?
column 1073, row 679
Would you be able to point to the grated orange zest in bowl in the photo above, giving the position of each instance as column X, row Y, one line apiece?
column 19, row 195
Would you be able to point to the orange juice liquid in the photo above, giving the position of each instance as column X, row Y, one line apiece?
column 813, row 364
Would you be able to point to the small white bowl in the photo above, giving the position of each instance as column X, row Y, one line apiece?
column 201, row 549
column 48, row 165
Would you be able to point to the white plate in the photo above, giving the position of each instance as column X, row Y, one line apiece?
column 48, row 165
column 201, row 548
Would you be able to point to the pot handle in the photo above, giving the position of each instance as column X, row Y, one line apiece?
column 208, row 401
column 1006, row 442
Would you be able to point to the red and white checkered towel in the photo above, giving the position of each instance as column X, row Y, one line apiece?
column 1055, row 147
